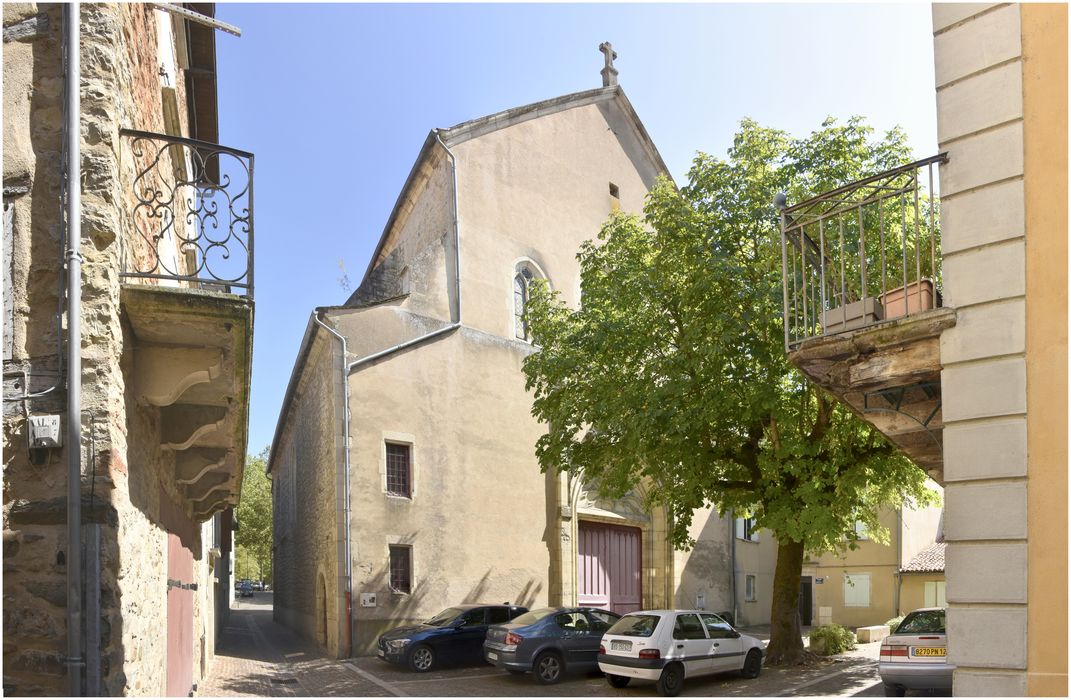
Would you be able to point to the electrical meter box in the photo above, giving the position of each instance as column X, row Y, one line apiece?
column 45, row 432
column 368, row 600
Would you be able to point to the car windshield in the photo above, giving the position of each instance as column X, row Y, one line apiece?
column 533, row 616
column 444, row 617
column 923, row 622
column 635, row 626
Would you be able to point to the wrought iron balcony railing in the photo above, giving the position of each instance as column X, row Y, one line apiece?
column 862, row 254
column 190, row 206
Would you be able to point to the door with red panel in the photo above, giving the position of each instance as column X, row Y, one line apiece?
column 609, row 567
column 180, row 591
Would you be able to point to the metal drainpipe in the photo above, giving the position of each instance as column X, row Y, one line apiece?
column 74, row 353
column 346, row 486
column 899, row 558
column 457, row 281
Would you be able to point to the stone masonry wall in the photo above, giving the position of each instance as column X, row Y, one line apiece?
column 304, row 501
column 120, row 88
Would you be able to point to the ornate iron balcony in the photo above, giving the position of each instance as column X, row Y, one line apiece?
column 190, row 206
column 862, row 254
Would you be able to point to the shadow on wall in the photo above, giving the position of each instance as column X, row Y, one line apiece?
column 525, row 596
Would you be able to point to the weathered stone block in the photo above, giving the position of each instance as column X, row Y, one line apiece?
column 988, row 330
column 973, row 46
column 948, row 13
column 979, row 102
column 985, row 512
column 44, row 663
column 987, row 637
column 980, row 684
column 986, row 215
column 986, row 573
column 990, row 449
column 984, row 389
column 993, row 273
column 983, row 158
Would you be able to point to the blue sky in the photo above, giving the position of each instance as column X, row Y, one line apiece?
column 336, row 100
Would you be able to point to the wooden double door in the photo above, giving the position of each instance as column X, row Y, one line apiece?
column 609, row 567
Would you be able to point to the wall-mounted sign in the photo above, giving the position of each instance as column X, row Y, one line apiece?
column 819, row 579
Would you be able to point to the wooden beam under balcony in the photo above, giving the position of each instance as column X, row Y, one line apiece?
column 890, row 376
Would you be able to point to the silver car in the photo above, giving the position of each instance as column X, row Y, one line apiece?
column 914, row 656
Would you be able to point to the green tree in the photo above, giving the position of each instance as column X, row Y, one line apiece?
column 673, row 371
column 254, row 536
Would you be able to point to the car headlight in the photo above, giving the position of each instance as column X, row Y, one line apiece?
column 397, row 644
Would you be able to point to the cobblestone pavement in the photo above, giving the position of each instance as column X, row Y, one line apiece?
column 257, row 657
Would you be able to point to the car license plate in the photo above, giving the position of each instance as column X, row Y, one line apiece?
column 618, row 645
column 492, row 656
column 929, row 651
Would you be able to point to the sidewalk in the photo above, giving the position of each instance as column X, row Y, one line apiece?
column 257, row 657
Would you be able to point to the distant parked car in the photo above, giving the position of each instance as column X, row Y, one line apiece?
column 258, row 585
column 245, row 590
column 914, row 655
column 453, row 636
column 549, row 641
column 668, row 646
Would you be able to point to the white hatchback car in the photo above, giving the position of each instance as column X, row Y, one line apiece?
column 668, row 646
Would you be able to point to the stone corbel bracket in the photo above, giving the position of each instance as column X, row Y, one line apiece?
column 192, row 464
column 163, row 373
column 187, row 425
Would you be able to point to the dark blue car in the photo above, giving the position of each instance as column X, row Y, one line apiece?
column 454, row 636
column 549, row 641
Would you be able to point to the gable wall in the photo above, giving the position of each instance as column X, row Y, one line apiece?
column 537, row 190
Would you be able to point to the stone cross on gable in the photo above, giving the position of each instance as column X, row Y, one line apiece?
column 609, row 73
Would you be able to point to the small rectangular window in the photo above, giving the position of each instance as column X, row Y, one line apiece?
column 401, row 569
column 750, row 593
column 746, row 530
column 614, row 191
column 935, row 594
column 399, row 470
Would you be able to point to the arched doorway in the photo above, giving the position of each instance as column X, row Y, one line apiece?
column 321, row 610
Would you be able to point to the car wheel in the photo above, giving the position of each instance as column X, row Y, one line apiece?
column 422, row 658
column 548, row 667
column 617, row 681
column 752, row 664
column 894, row 691
column 671, row 682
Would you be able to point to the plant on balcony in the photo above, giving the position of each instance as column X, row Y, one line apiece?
column 673, row 372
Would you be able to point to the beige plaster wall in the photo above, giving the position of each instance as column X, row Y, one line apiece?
column 537, row 190
column 913, row 590
column 758, row 558
column 706, row 569
column 1044, row 33
column 479, row 521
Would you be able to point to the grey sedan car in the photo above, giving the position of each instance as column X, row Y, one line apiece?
column 914, row 656
column 549, row 641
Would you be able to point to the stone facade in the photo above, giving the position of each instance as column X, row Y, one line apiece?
column 130, row 471
column 1001, row 76
column 486, row 199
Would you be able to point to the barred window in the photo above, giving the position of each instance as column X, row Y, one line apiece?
column 401, row 569
column 399, row 470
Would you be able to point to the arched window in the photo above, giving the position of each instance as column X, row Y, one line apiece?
column 521, row 282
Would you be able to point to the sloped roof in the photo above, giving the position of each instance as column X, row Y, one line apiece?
column 931, row 559
column 474, row 128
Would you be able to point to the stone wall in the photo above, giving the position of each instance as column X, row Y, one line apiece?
column 306, row 503
column 124, row 468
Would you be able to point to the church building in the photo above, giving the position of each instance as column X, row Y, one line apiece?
column 403, row 468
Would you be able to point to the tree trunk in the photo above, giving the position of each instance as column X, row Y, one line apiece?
column 786, row 644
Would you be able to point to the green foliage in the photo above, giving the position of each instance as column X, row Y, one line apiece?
column 829, row 640
column 673, row 373
column 245, row 565
column 894, row 623
column 254, row 536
